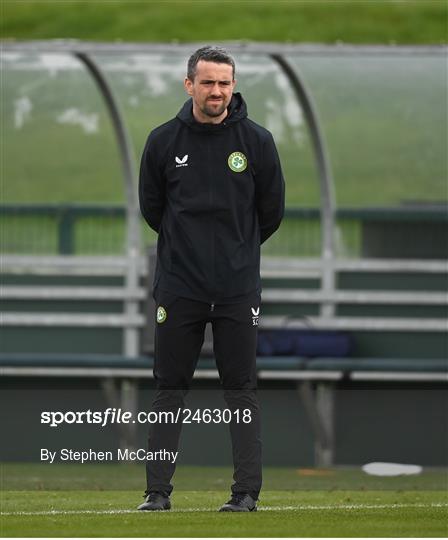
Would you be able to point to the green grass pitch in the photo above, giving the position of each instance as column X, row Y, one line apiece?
column 87, row 500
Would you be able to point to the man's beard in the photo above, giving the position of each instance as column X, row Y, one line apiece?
column 212, row 112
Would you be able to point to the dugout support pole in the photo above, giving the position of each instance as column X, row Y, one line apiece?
column 327, row 199
column 131, row 335
column 319, row 407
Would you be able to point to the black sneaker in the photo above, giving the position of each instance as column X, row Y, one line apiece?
column 240, row 502
column 155, row 501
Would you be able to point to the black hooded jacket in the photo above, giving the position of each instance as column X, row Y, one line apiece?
column 214, row 193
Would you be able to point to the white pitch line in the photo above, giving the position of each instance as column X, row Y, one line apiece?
column 356, row 506
column 260, row 509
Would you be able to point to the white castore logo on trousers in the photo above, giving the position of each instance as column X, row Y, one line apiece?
column 255, row 314
column 181, row 162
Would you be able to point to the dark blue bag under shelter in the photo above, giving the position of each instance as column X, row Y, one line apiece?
column 307, row 343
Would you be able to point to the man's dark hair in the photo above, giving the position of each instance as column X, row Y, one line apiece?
column 209, row 54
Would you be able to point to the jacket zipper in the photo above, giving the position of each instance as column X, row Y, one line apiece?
column 212, row 305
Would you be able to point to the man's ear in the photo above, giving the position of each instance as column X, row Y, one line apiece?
column 188, row 85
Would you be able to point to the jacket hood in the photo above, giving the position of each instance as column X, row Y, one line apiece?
column 237, row 111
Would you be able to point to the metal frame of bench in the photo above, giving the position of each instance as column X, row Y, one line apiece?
column 263, row 374
column 117, row 266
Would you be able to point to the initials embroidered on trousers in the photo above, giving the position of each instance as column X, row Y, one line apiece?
column 255, row 314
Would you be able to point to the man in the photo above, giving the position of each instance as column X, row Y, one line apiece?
column 211, row 185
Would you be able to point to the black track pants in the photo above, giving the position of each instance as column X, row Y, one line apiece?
column 178, row 340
